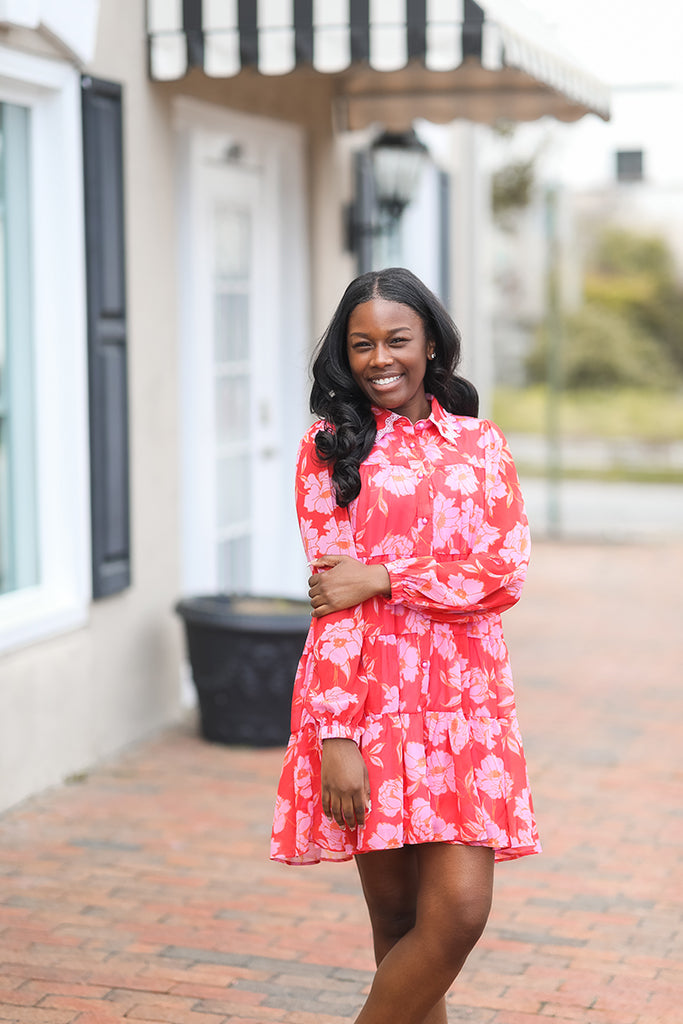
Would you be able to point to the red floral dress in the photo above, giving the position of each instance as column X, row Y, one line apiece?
column 421, row 680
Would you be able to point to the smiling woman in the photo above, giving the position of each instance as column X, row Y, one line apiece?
column 405, row 751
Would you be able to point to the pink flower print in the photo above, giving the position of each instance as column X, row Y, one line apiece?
column 497, row 489
column 492, row 443
column 390, row 798
column 479, row 533
column 466, row 590
column 332, row 701
column 392, row 545
column 334, row 540
column 386, row 835
column 491, row 777
column 441, row 772
column 309, row 534
column 461, row 479
column 497, row 836
column 445, row 520
column 318, row 497
column 339, row 643
column 416, row 621
column 485, row 731
column 409, row 662
column 391, row 696
column 302, row 778
column 282, row 808
column 396, row 479
column 414, row 760
column 443, row 831
column 373, row 730
column 491, row 635
column 431, row 452
column 303, row 826
column 478, row 690
column 443, row 642
column 523, row 808
column 421, row 819
column 516, row 545
column 459, row 732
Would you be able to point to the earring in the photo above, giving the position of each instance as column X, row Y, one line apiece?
column 432, row 355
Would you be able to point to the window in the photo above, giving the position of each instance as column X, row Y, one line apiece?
column 629, row 165
column 18, row 539
column 44, row 521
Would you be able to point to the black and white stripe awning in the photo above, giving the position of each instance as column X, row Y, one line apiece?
column 394, row 59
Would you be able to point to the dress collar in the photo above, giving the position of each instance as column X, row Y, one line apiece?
column 448, row 425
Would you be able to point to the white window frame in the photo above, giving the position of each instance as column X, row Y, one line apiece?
column 60, row 601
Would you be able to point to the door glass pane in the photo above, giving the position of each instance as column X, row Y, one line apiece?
column 18, row 513
column 232, row 322
column 234, row 565
column 232, row 408
column 233, row 492
column 233, row 392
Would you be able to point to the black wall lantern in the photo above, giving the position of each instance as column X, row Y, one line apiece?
column 387, row 178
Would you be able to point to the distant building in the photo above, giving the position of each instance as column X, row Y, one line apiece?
column 627, row 172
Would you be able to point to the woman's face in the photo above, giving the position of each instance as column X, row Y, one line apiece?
column 388, row 350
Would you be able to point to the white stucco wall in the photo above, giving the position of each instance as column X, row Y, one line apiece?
column 75, row 698
column 70, row 700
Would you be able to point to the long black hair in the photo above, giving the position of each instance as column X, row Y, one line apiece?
column 335, row 396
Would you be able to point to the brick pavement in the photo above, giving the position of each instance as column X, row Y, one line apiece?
column 142, row 893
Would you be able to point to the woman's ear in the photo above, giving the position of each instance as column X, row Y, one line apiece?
column 431, row 350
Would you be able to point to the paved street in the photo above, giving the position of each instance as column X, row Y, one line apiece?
column 142, row 892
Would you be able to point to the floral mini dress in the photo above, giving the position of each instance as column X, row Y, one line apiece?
column 421, row 680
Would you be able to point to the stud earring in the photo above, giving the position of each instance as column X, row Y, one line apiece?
column 432, row 355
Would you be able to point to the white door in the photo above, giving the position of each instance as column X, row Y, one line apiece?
column 243, row 368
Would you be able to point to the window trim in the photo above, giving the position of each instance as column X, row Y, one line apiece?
column 51, row 89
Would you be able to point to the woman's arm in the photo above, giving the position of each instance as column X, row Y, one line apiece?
column 491, row 577
column 335, row 696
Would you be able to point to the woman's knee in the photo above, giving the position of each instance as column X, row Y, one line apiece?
column 455, row 897
column 390, row 887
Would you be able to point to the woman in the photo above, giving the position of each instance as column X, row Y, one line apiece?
column 405, row 751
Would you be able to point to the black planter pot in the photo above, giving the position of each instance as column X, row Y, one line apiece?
column 244, row 653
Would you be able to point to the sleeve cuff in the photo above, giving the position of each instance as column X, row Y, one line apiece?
column 339, row 730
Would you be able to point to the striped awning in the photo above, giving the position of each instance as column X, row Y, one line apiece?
column 393, row 60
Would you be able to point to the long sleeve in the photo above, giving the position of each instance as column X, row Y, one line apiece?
column 335, row 696
column 491, row 576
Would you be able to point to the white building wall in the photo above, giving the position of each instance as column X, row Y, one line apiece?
column 73, row 698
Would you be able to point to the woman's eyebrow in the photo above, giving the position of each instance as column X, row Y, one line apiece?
column 392, row 330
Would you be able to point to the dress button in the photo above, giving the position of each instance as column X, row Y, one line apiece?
column 425, row 664
column 423, row 521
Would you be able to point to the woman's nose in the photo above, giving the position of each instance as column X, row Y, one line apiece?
column 382, row 355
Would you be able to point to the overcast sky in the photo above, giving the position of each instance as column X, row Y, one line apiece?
column 621, row 41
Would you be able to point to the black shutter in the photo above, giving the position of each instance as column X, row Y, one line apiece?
column 106, row 293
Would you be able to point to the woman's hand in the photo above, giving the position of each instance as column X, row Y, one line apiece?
column 345, row 583
column 345, row 783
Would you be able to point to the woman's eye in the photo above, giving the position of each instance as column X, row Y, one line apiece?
column 399, row 341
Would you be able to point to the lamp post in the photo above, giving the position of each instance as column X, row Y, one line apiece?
column 394, row 165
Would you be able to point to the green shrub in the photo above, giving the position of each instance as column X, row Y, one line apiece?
column 603, row 348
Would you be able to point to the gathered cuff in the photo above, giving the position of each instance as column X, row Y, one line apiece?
column 339, row 730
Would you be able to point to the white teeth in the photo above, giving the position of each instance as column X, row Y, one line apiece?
column 385, row 380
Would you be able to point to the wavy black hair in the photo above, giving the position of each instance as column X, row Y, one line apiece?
column 350, row 428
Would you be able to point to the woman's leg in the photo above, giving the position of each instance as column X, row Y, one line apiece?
column 446, row 890
column 390, row 884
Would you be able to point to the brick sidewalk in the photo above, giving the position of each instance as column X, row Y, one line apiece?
column 142, row 892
